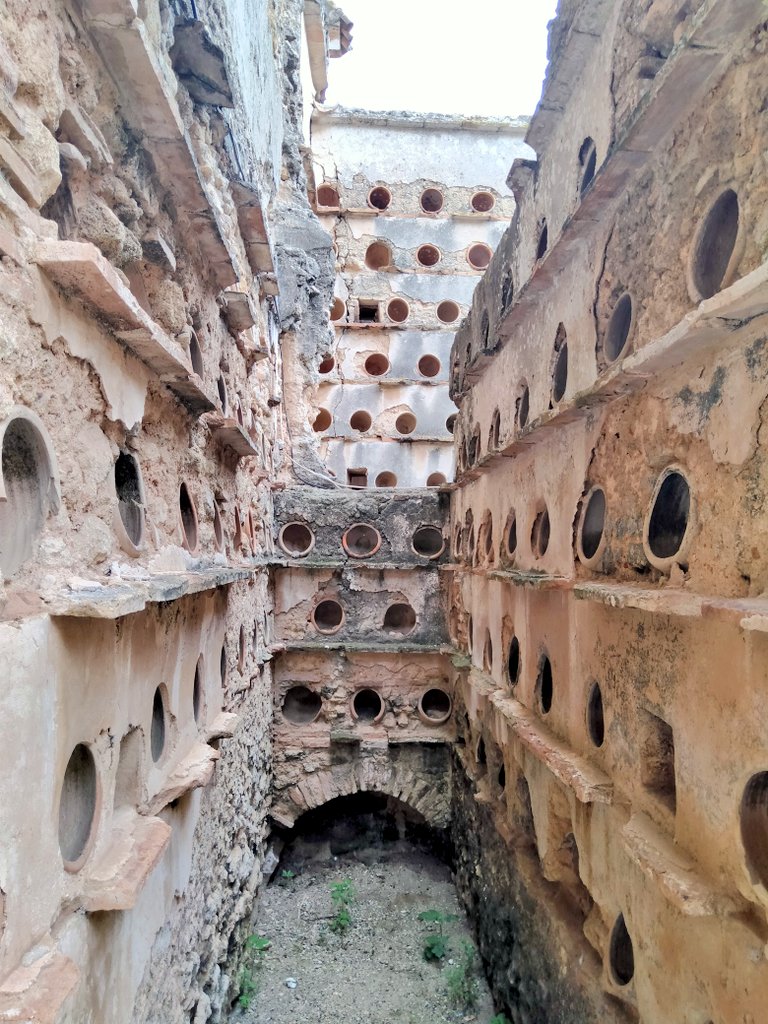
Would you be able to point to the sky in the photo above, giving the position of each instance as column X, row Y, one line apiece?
column 443, row 56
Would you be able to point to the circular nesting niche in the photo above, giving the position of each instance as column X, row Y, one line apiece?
column 218, row 527
column 158, row 730
column 522, row 405
column 296, row 539
column 385, row 479
column 198, row 691
column 322, row 421
column 130, row 498
column 587, row 164
column 619, row 328
column 301, row 706
column 540, row 533
column 367, row 706
column 378, row 256
column 435, row 706
column 428, row 255
column 545, row 684
column 621, row 954
column 188, row 518
column 447, row 312
column 400, row 618
column 754, row 827
column 328, row 196
column 668, row 527
column 28, row 487
column 361, row 540
column 715, row 255
column 361, row 420
column 398, row 310
column 379, row 197
column 428, row 541
column 338, row 310
column 196, row 354
column 431, row 200
column 482, row 202
column 377, row 364
column 479, row 256
column 429, row 366
column 78, row 803
column 328, row 616
column 513, row 661
column 509, row 539
column 327, row 364
column 559, row 365
column 436, row 480
column 405, row 423
column 590, row 534
column 595, row 715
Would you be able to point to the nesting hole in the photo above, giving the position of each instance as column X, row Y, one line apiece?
column 428, row 255
column 386, row 479
column 428, row 541
column 621, row 953
column 157, row 733
column 436, row 479
column 523, row 406
column 435, row 705
column 197, row 691
column 715, row 244
column 328, row 196
column 367, row 705
column 218, row 527
column 196, row 354
column 188, row 514
column 669, row 515
column 405, row 423
column 540, row 533
column 482, row 202
column 513, row 661
column 322, row 421
column 619, row 326
column 510, row 534
column 379, row 197
column 77, row 806
column 588, row 164
column 129, row 502
column 543, row 242
column 450, row 423
column 657, row 757
column 592, row 523
column 754, row 826
column 429, row 366
column 360, row 420
column 398, row 310
column 378, row 256
column 447, row 312
column 377, row 364
column 560, row 365
column 400, row 618
column 301, row 706
column 595, row 715
column 545, row 684
column 361, row 540
column 431, row 200
column 338, row 309
column 27, row 479
column 328, row 616
column 327, row 363
column 479, row 256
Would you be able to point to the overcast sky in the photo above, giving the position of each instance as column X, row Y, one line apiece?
column 468, row 57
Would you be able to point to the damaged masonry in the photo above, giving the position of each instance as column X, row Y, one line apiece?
column 350, row 453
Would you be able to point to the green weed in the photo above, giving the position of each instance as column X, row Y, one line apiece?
column 436, row 943
column 463, row 988
column 342, row 897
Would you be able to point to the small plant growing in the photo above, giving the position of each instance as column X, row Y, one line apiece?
column 286, row 874
column 463, row 989
column 500, row 1018
column 436, row 943
column 248, row 980
column 342, row 897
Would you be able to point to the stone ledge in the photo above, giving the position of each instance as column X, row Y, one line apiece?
column 674, row 872
column 80, row 269
column 358, row 646
column 589, row 784
column 222, row 727
column 36, row 991
column 193, row 771
column 119, row 875
column 230, row 434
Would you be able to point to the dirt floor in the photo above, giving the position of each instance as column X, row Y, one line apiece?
column 375, row 971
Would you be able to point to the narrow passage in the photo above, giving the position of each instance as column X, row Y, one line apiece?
column 373, row 971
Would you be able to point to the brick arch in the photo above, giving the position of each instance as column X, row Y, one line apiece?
column 422, row 794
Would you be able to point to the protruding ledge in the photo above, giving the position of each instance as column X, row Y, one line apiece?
column 238, row 310
column 589, row 783
column 230, row 434
column 35, row 993
column 253, row 228
column 674, row 872
column 194, row 771
column 137, row 844
column 222, row 727
column 79, row 268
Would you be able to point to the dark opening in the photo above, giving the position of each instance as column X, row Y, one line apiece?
column 357, row 477
column 450, row 423
column 488, row 653
column 588, row 162
column 400, row 618
column 754, row 826
column 378, row 256
column 361, row 540
column 327, row 364
column 338, row 309
column 511, row 534
column 157, row 732
column 540, row 534
column 405, row 423
column 507, row 291
column 429, row 366
column 522, row 406
column 379, row 197
column 301, row 705
column 657, row 757
column 619, row 325
column 541, row 248
column 223, row 664
column 481, row 756
column 544, row 684
column 27, row 478
column 296, row 539
column 377, row 364
column 501, row 778
column 221, row 387
column 218, row 529
column 128, row 488
column 593, row 523
column 398, row 310
column 436, row 704
column 360, row 420
column 327, row 196
column 328, row 616
column 716, row 242
column 428, row 541
column 669, row 516
column 367, row 704
column 436, row 480
column 513, row 661
column 77, row 804
column 595, row 717
column 188, row 518
column 431, row 200
column 493, row 433
column 369, row 312
column 322, row 421
column 473, row 447
column 560, row 371
column 197, row 691
column 479, row 256
column 196, row 355
column 428, row 255
column 386, row 479
column 447, row 312
column 621, row 954
column 482, row 202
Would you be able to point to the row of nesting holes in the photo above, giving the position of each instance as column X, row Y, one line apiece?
column 378, row 365
column 666, row 526
column 360, row 540
column 378, row 256
column 711, row 259
column 370, row 311
column 302, row 705
column 328, row 617
column 380, row 198
column 81, row 786
column 362, row 421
